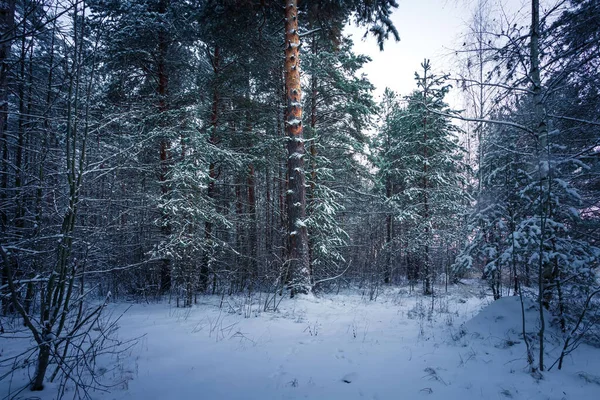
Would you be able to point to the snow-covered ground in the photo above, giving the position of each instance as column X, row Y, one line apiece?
column 332, row 347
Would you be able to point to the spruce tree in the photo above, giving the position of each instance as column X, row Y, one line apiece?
column 422, row 161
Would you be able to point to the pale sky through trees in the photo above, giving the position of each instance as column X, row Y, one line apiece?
column 428, row 29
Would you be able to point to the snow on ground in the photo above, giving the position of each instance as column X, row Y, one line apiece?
column 335, row 347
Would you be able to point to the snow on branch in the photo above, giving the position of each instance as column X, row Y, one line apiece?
column 294, row 122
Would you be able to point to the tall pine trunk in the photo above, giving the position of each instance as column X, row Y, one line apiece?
column 298, row 256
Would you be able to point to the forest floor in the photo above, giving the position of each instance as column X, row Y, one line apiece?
column 331, row 347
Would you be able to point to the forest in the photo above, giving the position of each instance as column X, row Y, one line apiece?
column 206, row 155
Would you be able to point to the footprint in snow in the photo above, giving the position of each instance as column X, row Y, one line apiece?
column 349, row 378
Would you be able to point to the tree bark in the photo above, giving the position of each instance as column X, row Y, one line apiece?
column 7, row 20
column 298, row 257
column 212, row 171
column 162, row 89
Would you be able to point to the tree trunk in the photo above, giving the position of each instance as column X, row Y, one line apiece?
column 313, row 153
column 252, row 227
column 42, row 365
column 296, row 196
column 541, row 130
column 7, row 17
column 7, row 20
column 22, row 121
column 163, row 83
column 212, row 172
column 268, row 242
column 389, row 219
column 240, row 272
column 427, row 284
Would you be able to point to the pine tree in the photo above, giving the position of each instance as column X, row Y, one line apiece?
column 421, row 160
column 340, row 107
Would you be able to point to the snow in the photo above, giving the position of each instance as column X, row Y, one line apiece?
column 334, row 347
column 294, row 122
column 501, row 321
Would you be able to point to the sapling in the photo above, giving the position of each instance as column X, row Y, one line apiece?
column 573, row 339
column 530, row 359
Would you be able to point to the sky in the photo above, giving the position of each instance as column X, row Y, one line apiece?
column 428, row 29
